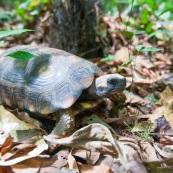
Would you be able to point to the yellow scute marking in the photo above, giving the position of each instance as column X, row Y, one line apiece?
column 31, row 107
column 63, row 133
column 74, row 59
column 67, row 102
column 42, row 70
column 87, row 81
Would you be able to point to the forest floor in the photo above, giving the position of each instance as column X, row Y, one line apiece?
column 136, row 136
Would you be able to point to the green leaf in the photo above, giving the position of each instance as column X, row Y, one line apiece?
column 138, row 32
column 108, row 58
column 119, row 69
column 7, row 15
column 13, row 32
column 125, row 64
column 127, row 34
column 22, row 55
column 165, row 32
column 151, row 98
column 1, row 43
column 151, row 49
column 144, row 17
column 165, row 11
column 148, row 27
column 139, row 48
column 34, row 12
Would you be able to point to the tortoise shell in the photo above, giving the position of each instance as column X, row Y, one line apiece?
column 53, row 79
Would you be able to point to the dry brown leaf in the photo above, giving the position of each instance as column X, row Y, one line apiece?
column 141, row 61
column 22, row 148
column 166, row 140
column 129, row 142
column 72, row 163
column 134, row 165
column 121, row 55
column 166, row 97
column 103, row 165
column 148, row 152
column 6, row 145
column 166, row 80
column 41, row 146
column 6, row 169
column 52, row 164
column 7, row 119
column 90, row 119
column 94, row 137
column 28, row 166
column 123, row 121
column 162, row 151
column 165, row 110
column 90, row 157
column 88, row 169
column 66, row 170
column 93, row 158
column 132, row 98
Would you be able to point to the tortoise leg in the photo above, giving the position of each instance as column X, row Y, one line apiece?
column 63, row 127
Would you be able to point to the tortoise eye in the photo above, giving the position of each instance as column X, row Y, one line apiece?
column 112, row 81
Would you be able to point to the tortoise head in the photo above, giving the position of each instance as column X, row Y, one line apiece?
column 107, row 85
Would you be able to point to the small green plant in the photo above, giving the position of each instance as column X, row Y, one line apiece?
column 6, row 15
column 125, row 64
column 141, row 48
column 18, row 54
column 151, row 98
column 108, row 58
column 143, row 135
column 11, row 32
column 28, row 9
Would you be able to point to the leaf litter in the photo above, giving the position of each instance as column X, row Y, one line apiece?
column 137, row 139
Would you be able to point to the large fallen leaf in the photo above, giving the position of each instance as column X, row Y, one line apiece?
column 72, row 163
column 16, row 149
column 5, row 147
column 10, row 125
column 29, row 166
column 40, row 147
column 102, row 168
column 94, row 137
column 148, row 152
column 89, row 119
column 59, row 160
column 89, row 157
column 165, row 110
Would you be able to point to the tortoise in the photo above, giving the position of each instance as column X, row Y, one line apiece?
column 51, row 82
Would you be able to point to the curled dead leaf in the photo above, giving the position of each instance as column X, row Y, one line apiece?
column 6, row 145
column 94, row 137
column 41, row 146
column 22, row 148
